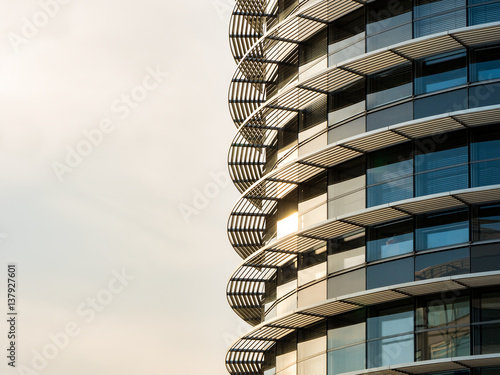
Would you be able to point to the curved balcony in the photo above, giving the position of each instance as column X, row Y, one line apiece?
column 247, row 155
column 247, row 223
column 247, row 355
column 246, row 287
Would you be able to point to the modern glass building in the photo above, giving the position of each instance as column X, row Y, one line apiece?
column 367, row 154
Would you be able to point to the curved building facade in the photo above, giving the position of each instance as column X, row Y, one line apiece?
column 367, row 154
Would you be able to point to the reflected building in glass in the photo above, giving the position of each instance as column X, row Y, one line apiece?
column 367, row 154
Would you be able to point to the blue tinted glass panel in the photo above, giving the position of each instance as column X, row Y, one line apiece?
column 446, row 154
column 389, row 116
column 443, row 235
column 389, row 172
column 390, row 192
column 390, row 351
column 487, row 224
column 442, row 72
column 481, row 96
column 484, row 13
column 389, row 37
column 443, row 22
column 443, row 263
column 441, row 103
column 391, row 246
column 389, row 273
column 485, row 63
column 486, row 144
column 442, row 180
column 390, row 324
column 485, row 173
column 390, row 240
column 445, row 229
column 424, row 8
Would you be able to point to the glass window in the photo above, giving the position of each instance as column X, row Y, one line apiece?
column 314, row 47
column 487, row 223
column 390, row 240
column 484, row 95
column 388, row 344
column 439, row 311
column 344, row 28
column 432, row 162
column 388, row 22
column 485, row 63
column 485, row 258
column 347, row 37
column 346, row 283
column 347, row 96
column 490, row 371
column 346, row 329
column 312, row 258
column 443, row 343
column 390, row 85
column 287, row 273
column 489, row 306
column 389, row 116
column 351, row 358
column 346, row 192
column 434, row 16
column 288, row 134
column 313, row 187
column 441, row 103
column 314, row 114
column 442, row 229
column 483, row 13
column 384, row 274
column 489, row 338
column 485, row 148
column 443, row 263
column 441, row 72
column 390, row 174
column 346, row 336
column 346, row 252
column 447, row 321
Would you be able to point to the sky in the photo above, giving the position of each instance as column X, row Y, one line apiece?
column 114, row 196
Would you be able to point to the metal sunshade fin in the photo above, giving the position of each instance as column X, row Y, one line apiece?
column 479, row 35
column 375, row 216
column 428, row 46
column 430, row 286
column 430, row 204
column 376, row 297
column 429, row 127
column 378, row 140
column 374, row 62
column 481, row 117
column 332, row 308
column 481, row 196
column 332, row 229
column 446, row 364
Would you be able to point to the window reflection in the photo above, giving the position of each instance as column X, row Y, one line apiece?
column 386, row 328
column 441, row 72
column 442, row 229
column 389, row 240
column 387, row 171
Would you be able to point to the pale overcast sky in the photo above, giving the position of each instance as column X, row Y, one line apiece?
column 113, row 115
